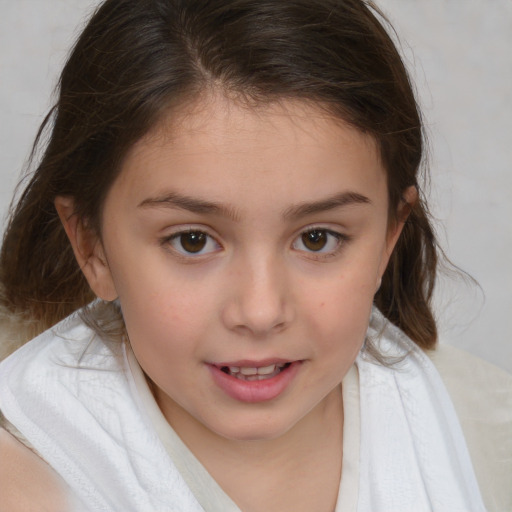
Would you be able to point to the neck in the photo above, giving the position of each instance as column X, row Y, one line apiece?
column 269, row 474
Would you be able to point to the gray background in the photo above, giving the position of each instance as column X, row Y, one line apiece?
column 459, row 53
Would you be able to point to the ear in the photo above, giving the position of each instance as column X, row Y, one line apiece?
column 88, row 249
column 409, row 198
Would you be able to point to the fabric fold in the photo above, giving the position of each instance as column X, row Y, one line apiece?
column 413, row 453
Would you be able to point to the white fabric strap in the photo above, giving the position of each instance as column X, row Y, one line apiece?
column 413, row 453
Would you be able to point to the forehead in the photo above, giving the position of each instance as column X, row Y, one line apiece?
column 216, row 144
column 216, row 122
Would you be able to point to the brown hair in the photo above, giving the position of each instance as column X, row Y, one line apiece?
column 136, row 59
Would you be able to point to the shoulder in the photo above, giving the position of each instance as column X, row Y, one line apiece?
column 27, row 483
column 482, row 396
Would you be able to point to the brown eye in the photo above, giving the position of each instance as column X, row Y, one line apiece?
column 192, row 243
column 315, row 240
column 319, row 241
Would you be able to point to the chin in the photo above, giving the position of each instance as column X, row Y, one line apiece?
column 262, row 429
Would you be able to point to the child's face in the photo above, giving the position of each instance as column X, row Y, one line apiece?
column 247, row 239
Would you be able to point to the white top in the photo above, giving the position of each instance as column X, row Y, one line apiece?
column 206, row 490
column 86, row 368
column 482, row 395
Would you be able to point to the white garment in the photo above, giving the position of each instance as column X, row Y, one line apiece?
column 413, row 453
column 72, row 397
column 76, row 401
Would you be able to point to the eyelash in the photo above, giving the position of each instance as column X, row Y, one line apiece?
column 339, row 239
column 202, row 237
column 182, row 252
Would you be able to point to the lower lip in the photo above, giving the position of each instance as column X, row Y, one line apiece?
column 255, row 390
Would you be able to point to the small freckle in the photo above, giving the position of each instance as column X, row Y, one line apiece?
column 322, row 305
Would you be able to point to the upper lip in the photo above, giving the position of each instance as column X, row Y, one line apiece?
column 247, row 363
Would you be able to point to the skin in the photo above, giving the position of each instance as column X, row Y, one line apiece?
column 27, row 483
column 257, row 291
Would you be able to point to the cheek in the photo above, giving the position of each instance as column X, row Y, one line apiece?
column 342, row 326
column 346, row 295
column 340, row 309
column 165, row 316
column 165, row 337
column 156, row 292
column 168, row 318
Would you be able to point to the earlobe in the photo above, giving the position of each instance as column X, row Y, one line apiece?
column 88, row 250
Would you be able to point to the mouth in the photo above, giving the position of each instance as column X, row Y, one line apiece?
column 251, row 381
column 252, row 373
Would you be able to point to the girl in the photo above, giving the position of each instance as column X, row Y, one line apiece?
column 228, row 231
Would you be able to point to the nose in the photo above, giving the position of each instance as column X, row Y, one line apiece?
column 260, row 301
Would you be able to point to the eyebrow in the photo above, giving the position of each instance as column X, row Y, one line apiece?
column 336, row 201
column 202, row 207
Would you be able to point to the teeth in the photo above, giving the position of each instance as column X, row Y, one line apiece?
column 266, row 370
column 249, row 371
column 263, row 370
column 249, row 378
column 253, row 373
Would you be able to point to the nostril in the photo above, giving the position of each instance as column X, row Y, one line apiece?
column 280, row 326
column 258, row 308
